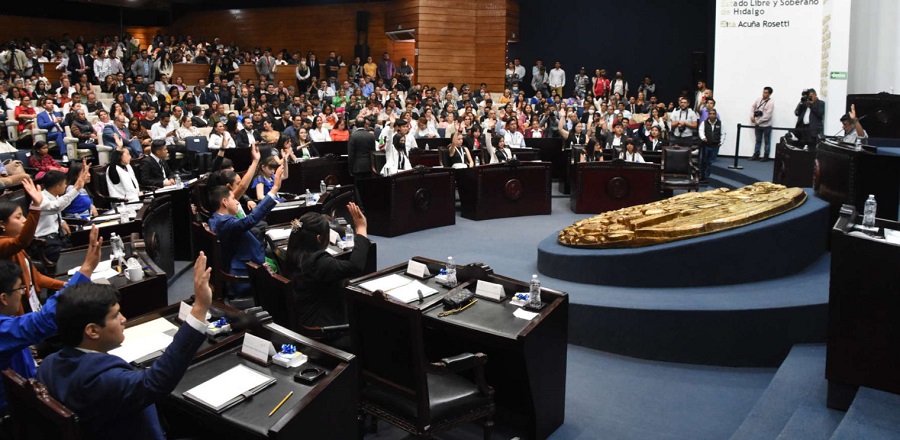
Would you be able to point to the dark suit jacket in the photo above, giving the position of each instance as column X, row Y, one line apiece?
column 199, row 123
column 359, row 146
column 160, row 99
column 152, row 172
column 74, row 65
column 239, row 245
column 816, row 125
column 110, row 396
column 660, row 143
column 243, row 141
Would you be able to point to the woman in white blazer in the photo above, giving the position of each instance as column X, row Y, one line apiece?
column 121, row 182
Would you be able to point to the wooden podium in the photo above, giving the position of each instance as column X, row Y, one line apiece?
column 793, row 166
column 550, row 150
column 410, row 201
column 337, row 148
column 607, row 186
column 844, row 175
column 309, row 173
column 505, row 190
column 863, row 311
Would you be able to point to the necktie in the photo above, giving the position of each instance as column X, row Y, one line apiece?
column 81, row 60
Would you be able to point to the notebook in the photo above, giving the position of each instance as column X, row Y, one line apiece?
column 229, row 388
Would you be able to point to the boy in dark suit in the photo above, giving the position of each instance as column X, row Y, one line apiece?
column 112, row 399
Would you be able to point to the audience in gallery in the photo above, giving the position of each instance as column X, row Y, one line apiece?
column 324, row 96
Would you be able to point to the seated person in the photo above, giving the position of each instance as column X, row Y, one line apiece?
column 631, row 153
column 424, row 131
column 220, row 138
column 457, row 154
column 84, row 131
column 501, row 153
column 304, row 148
column 83, row 205
column 654, row 142
column 40, row 160
column 265, row 177
column 19, row 332
column 51, row 227
column 397, row 148
column 155, row 171
column 110, row 396
column 239, row 245
column 317, row 278
column 120, row 179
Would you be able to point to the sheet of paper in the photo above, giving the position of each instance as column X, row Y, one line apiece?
column 410, row 292
column 145, row 339
column 524, row 314
column 333, row 236
column 166, row 189
column 257, row 348
column 221, row 389
column 386, row 283
column 892, row 236
column 417, row 269
column 332, row 251
column 184, row 309
column 277, row 234
column 105, row 218
column 489, row 290
column 101, row 266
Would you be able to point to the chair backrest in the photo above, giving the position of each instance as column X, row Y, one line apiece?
column 208, row 243
column 158, row 233
column 98, row 180
column 34, row 413
column 197, row 144
column 273, row 292
column 676, row 160
column 336, row 206
column 387, row 338
column 23, row 155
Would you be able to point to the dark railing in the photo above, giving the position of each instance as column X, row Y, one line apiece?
column 737, row 143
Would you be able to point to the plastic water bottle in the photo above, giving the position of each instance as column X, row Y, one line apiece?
column 534, row 291
column 308, row 195
column 65, row 158
column 477, row 161
column 123, row 213
column 451, row 272
column 178, row 182
column 118, row 249
column 427, row 147
column 348, row 236
column 869, row 212
column 322, row 187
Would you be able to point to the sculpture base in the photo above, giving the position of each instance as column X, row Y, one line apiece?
column 776, row 247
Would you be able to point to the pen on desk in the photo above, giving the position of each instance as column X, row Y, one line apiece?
column 281, row 403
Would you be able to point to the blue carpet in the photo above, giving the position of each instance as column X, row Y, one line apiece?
column 874, row 415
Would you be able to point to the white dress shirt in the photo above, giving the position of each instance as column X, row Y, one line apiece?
column 51, row 207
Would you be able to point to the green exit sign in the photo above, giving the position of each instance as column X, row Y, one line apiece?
column 838, row 75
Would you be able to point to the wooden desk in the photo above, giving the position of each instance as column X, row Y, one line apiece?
column 191, row 73
column 343, row 254
column 527, row 154
column 426, row 158
column 180, row 200
column 607, row 186
column 137, row 298
column 526, row 359
column 432, row 143
column 308, row 174
column 505, row 190
column 409, row 201
column 326, row 409
column 550, row 150
column 863, row 309
column 337, row 148
column 793, row 166
column 80, row 235
column 846, row 176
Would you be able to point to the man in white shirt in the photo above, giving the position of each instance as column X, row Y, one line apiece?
column 161, row 131
column 684, row 122
column 557, row 79
column 761, row 118
column 853, row 130
column 102, row 66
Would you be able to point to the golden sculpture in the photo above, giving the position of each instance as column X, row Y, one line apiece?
column 683, row 216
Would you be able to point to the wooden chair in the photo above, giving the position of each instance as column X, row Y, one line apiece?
column 399, row 385
column 35, row 414
column 678, row 170
column 208, row 242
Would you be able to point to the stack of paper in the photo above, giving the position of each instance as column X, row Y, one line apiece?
column 229, row 388
column 399, row 287
column 103, row 270
column 145, row 339
column 277, row 234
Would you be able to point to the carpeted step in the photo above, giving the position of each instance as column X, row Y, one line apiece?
column 874, row 415
column 800, row 373
column 813, row 419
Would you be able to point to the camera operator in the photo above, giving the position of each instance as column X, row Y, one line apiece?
column 684, row 123
column 853, row 130
column 810, row 112
column 761, row 118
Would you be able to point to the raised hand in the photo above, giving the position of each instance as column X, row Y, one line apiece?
column 359, row 219
column 254, row 153
column 34, row 192
column 279, row 174
column 92, row 256
column 202, row 291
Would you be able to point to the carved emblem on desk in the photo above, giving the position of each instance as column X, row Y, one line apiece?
column 618, row 187
column 422, row 199
column 513, row 189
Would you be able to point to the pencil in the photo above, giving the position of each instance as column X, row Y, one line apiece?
column 281, row 403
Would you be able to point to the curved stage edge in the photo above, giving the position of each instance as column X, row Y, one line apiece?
column 773, row 248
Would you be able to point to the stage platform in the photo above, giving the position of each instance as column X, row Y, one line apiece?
column 776, row 247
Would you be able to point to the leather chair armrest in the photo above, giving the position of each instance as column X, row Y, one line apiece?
column 458, row 363
column 335, row 329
